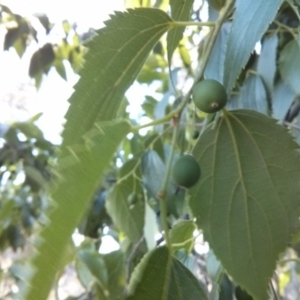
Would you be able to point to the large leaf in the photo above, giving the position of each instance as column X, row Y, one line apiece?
column 112, row 63
column 283, row 97
column 247, row 201
column 162, row 276
column 254, row 95
column 251, row 19
column 266, row 66
column 289, row 64
column 180, row 11
column 215, row 65
column 79, row 175
column 128, row 218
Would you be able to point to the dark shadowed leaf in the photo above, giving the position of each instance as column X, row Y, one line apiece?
column 266, row 66
column 247, row 201
column 254, row 95
column 112, row 63
column 250, row 19
column 161, row 276
column 289, row 64
column 180, row 11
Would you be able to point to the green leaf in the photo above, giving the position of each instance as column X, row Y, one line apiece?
column 162, row 276
column 79, row 174
column 247, row 201
column 150, row 227
column 283, row 97
column 95, row 264
column 215, row 65
column 253, row 95
column 115, row 265
column 181, row 235
column 250, row 19
column 153, row 169
column 289, row 64
column 180, row 11
column 128, row 218
column 149, row 105
column 112, row 63
column 60, row 68
column 266, row 66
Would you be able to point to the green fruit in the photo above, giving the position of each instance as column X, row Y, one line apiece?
column 209, row 95
column 217, row 4
column 186, row 171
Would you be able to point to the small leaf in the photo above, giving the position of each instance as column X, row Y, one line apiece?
column 266, row 66
column 60, row 68
column 247, row 201
column 115, row 266
column 150, row 227
column 181, row 235
column 95, row 264
column 289, row 64
column 253, row 95
column 250, row 19
column 180, row 11
column 162, row 276
column 128, row 218
column 113, row 61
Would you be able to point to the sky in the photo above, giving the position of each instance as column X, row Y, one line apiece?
column 19, row 99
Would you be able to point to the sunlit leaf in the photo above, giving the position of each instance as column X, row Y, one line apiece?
column 162, row 276
column 150, row 227
column 112, row 63
column 79, row 174
column 247, row 201
column 180, row 11
column 250, row 19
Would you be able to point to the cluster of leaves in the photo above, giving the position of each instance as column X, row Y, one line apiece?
column 247, row 202
column 24, row 159
column 21, row 32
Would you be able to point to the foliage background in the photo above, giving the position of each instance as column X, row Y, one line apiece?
column 246, row 205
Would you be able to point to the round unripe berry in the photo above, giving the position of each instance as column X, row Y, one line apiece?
column 186, row 171
column 209, row 95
